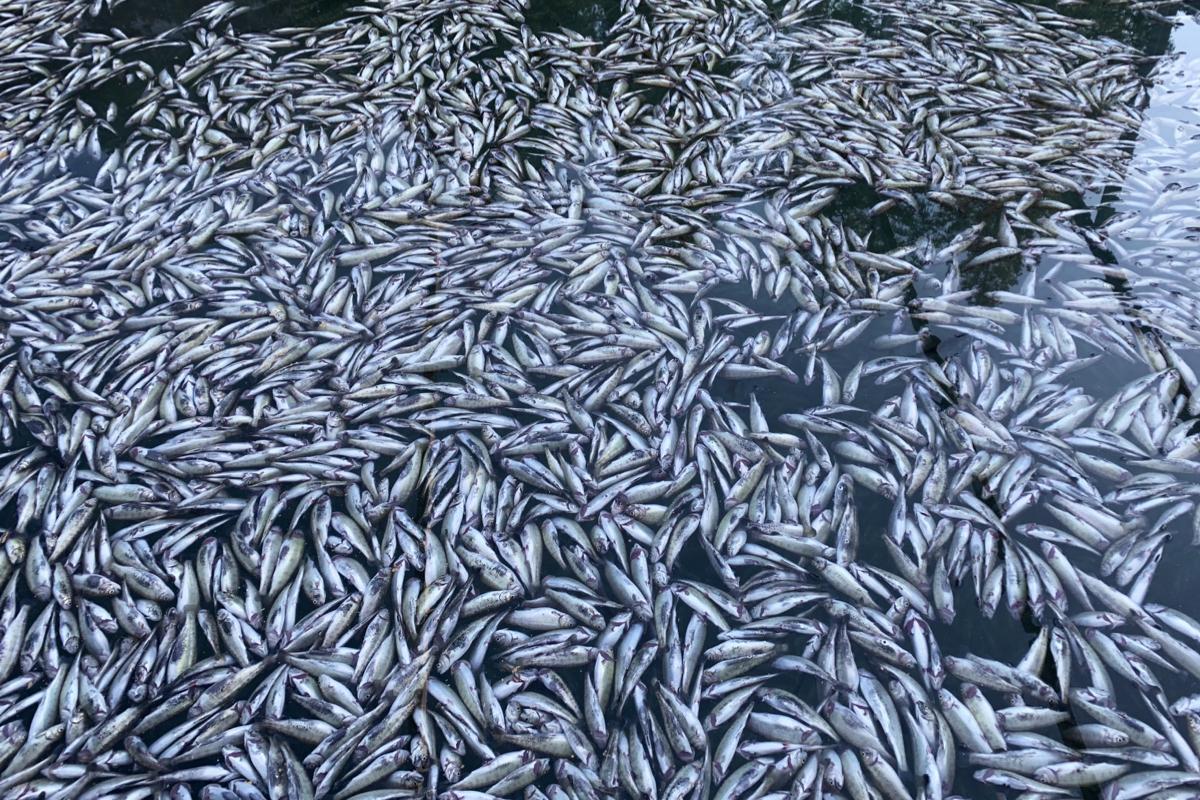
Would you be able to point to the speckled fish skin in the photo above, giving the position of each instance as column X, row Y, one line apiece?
column 430, row 403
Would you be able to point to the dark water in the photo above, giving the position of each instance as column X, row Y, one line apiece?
column 155, row 19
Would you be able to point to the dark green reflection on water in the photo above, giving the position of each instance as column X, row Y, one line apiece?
column 1145, row 28
column 591, row 18
column 140, row 18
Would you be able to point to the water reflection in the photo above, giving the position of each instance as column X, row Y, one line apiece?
column 1154, row 218
column 592, row 18
column 1146, row 26
column 137, row 18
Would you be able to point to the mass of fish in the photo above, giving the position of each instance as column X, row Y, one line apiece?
column 431, row 404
